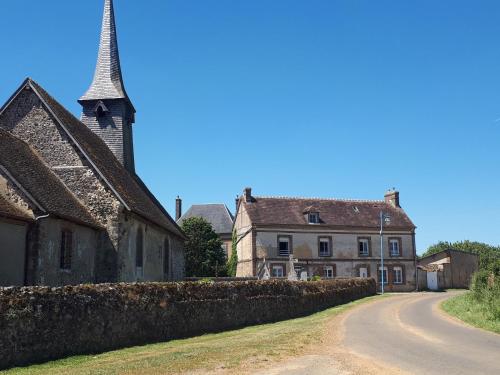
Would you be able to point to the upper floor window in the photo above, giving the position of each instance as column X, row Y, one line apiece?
column 313, row 217
column 398, row 275
column 324, row 246
column 364, row 247
column 277, row 270
column 166, row 257
column 66, row 249
column 284, row 246
column 139, row 250
column 394, row 246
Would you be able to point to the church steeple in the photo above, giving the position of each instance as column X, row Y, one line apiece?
column 107, row 109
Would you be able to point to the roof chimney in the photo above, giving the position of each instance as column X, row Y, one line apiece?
column 392, row 198
column 247, row 193
column 178, row 208
column 237, row 201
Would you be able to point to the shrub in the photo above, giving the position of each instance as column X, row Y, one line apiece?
column 485, row 289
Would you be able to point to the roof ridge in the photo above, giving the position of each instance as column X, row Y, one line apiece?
column 322, row 199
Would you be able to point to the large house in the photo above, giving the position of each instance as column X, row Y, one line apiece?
column 327, row 238
column 72, row 208
column 217, row 214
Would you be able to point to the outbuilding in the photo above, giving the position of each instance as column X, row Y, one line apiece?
column 447, row 269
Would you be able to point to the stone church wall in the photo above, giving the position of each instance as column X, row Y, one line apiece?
column 153, row 252
column 40, row 324
column 47, row 270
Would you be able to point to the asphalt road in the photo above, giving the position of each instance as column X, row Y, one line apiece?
column 409, row 332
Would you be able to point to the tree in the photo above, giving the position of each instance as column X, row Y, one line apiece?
column 232, row 263
column 205, row 256
column 489, row 256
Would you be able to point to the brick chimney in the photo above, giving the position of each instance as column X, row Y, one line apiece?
column 237, row 204
column 247, row 194
column 392, row 197
column 178, row 208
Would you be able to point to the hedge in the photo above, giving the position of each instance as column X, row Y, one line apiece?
column 38, row 324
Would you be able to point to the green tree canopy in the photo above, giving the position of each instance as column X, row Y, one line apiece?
column 489, row 256
column 205, row 256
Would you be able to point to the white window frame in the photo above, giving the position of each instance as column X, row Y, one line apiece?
column 328, row 272
column 363, row 268
column 393, row 241
column 386, row 274
column 366, row 246
column 313, row 217
column 283, row 239
column 398, row 275
column 277, row 267
column 327, row 241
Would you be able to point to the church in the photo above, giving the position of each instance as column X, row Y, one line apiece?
column 72, row 208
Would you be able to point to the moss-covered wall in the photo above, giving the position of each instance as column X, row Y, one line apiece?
column 39, row 324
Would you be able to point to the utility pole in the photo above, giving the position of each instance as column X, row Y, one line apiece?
column 387, row 219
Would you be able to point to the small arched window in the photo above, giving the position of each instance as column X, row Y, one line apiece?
column 100, row 109
column 166, row 257
column 139, row 251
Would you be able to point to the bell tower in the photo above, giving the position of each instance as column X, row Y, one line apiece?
column 107, row 109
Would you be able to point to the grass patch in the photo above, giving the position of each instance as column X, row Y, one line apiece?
column 468, row 309
column 208, row 352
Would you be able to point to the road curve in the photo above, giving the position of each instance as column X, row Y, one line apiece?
column 410, row 332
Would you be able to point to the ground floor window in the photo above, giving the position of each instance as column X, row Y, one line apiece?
column 363, row 272
column 382, row 273
column 328, row 272
column 277, row 270
column 398, row 275
column 66, row 249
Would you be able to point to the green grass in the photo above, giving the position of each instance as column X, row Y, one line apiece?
column 471, row 311
column 228, row 350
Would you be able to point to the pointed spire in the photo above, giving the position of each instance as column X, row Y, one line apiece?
column 108, row 81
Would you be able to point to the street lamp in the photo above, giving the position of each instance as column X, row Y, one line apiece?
column 387, row 219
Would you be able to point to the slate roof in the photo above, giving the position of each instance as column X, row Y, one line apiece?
column 332, row 212
column 7, row 209
column 108, row 81
column 127, row 187
column 216, row 214
column 36, row 178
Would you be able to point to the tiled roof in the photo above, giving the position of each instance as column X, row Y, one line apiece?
column 332, row 212
column 7, row 209
column 216, row 214
column 133, row 194
column 36, row 178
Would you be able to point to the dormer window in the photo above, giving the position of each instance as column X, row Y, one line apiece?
column 100, row 109
column 313, row 217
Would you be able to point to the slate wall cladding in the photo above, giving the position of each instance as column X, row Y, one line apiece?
column 114, row 128
column 95, row 318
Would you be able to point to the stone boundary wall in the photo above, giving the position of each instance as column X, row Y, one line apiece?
column 38, row 324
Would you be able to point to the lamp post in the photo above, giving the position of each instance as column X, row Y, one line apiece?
column 383, row 218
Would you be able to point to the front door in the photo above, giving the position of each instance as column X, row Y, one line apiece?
column 363, row 272
column 432, row 280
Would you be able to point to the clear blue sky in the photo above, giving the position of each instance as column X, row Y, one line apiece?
column 315, row 98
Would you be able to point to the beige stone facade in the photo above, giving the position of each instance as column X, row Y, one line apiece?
column 321, row 249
